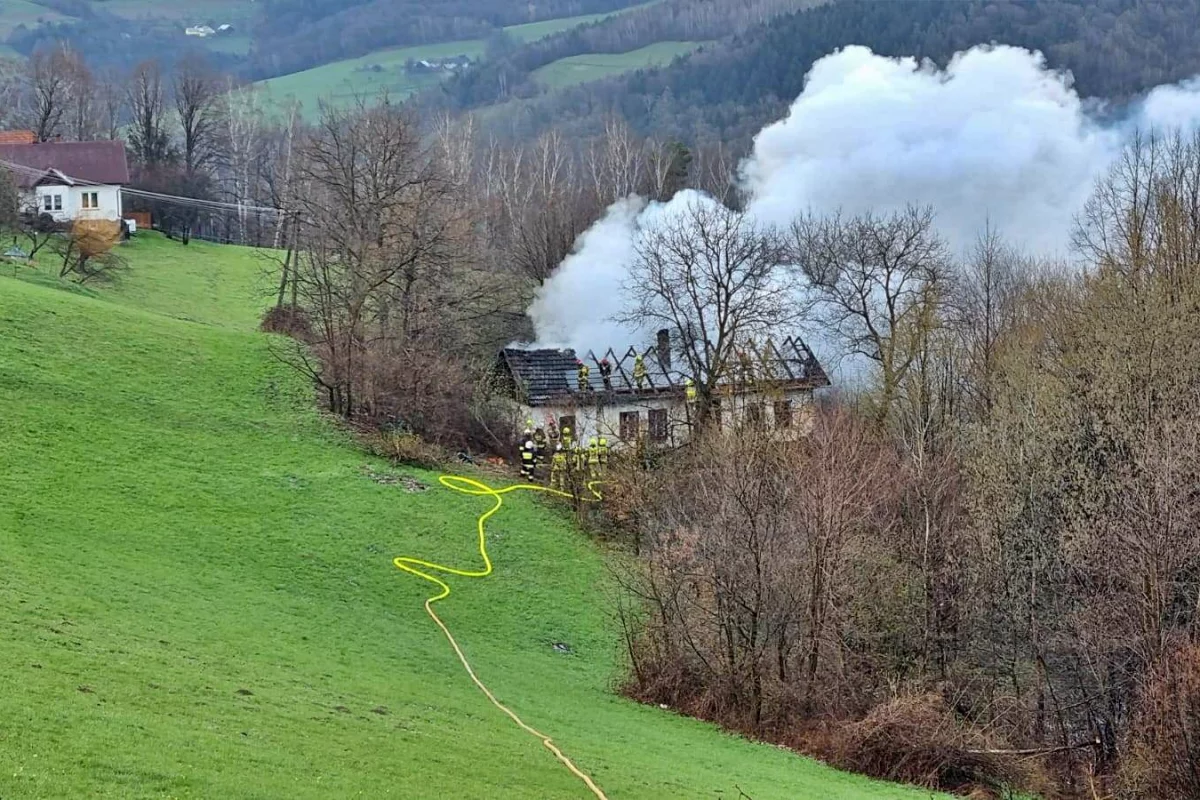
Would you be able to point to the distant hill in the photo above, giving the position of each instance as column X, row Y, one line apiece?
column 1114, row 48
column 266, row 38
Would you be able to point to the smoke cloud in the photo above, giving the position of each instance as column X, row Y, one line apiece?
column 995, row 137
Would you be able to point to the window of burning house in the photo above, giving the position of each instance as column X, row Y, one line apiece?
column 783, row 413
column 567, row 424
column 658, row 424
column 630, row 421
column 754, row 413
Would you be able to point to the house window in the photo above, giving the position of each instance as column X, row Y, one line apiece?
column 47, row 203
column 565, row 424
column 754, row 413
column 783, row 413
column 630, row 422
column 91, row 199
column 658, row 424
column 58, row 202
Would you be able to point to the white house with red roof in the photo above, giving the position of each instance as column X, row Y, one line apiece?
column 69, row 180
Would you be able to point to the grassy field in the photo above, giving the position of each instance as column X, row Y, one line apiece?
column 197, row 597
column 594, row 66
column 369, row 75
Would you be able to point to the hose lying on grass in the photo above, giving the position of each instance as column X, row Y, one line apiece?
column 416, row 566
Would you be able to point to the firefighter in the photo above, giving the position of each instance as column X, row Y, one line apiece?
column 606, row 373
column 593, row 458
column 552, row 434
column 603, row 453
column 539, row 446
column 584, row 374
column 639, row 370
column 579, row 459
column 689, row 389
column 527, row 461
column 558, row 469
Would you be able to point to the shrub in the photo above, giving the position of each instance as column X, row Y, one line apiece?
column 288, row 320
column 918, row 739
column 1164, row 744
column 405, row 448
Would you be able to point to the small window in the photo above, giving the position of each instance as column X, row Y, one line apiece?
column 91, row 199
column 630, row 422
column 754, row 413
column 783, row 413
column 58, row 202
column 658, row 424
column 47, row 202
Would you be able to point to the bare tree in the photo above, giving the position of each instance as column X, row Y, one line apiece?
column 542, row 203
column 616, row 162
column 196, row 91
column 710, row 275
column 111, row 99
column 148, row 136
column 878, row 282
column 378, row 273
column 47, row 86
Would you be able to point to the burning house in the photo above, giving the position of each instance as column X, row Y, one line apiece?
column 771, row 385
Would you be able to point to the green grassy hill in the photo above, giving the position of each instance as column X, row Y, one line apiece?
column 369, row 75
column 594, row 66
column 197, row 597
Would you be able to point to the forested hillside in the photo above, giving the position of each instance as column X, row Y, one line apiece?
column 1114, row 48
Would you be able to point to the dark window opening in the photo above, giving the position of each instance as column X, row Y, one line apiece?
column 754, row 413
column 630, row 422
column 658, row 424
column 783, row 414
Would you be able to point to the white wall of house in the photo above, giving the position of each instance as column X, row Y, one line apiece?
column 67, row 203
column 605, row 420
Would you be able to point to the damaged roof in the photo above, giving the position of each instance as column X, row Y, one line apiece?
column 546, row 376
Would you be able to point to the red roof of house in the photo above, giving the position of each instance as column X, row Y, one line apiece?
column 88, row 162
column 17, row 137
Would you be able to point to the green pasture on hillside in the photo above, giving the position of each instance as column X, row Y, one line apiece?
column 197, row 596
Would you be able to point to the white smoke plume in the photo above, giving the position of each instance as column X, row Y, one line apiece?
column 995, row 137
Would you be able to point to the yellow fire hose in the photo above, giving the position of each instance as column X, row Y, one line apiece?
column 415, row 566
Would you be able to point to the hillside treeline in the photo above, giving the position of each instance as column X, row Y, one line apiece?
column 1114, row 48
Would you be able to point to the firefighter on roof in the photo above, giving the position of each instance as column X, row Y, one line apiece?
column 639, row 370
column 606, row 373
column 584, row 373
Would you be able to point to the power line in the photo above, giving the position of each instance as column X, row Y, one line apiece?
column 194, row 202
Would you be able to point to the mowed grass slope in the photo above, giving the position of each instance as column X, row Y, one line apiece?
column 595, row 66
column 197, row 597
column 341, row 82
